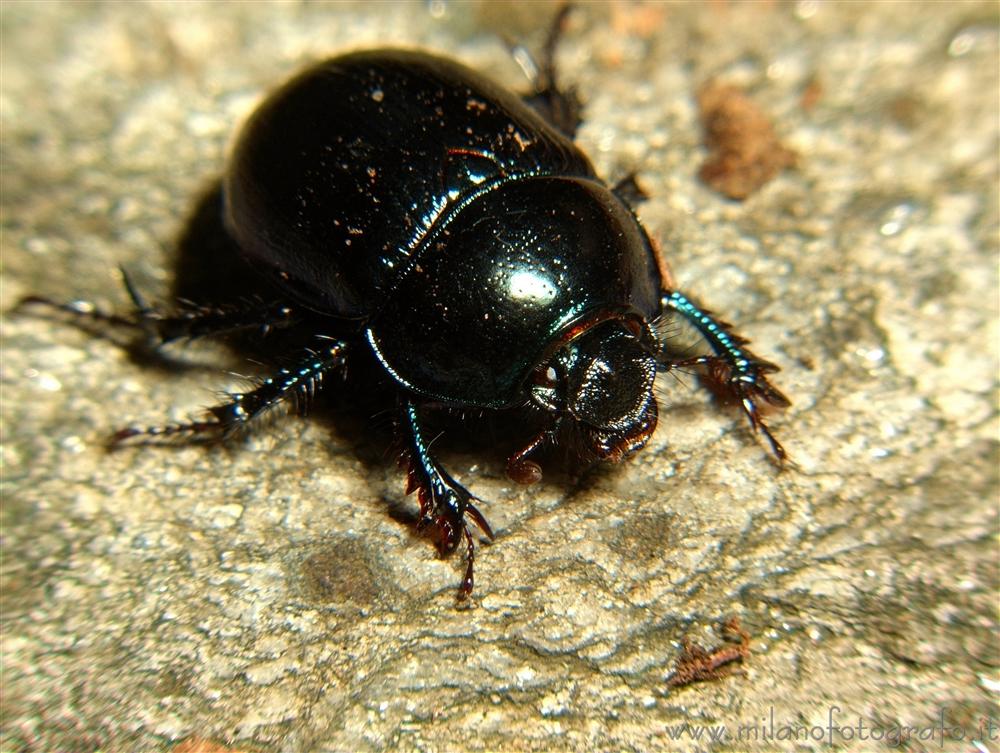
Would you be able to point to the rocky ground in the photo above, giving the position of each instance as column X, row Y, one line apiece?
column 263, row 598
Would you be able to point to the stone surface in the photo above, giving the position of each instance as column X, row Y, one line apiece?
column 262, row 598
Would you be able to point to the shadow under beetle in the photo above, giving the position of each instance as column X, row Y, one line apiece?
column 413, row 210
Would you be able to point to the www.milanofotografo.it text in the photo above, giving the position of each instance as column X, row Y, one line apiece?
column 839, row 727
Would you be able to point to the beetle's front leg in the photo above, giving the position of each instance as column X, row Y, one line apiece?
column 520, row 467
column 444, row 503
column 737, row 371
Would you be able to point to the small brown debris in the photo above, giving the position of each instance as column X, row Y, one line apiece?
column 744, row 150
column 639, row 19
column 697, row 664
column 812, row 93
column 201, row 745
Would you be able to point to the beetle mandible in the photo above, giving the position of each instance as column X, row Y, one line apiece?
column 430, row 219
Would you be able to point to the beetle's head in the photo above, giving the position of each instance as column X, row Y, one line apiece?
column 603, row 381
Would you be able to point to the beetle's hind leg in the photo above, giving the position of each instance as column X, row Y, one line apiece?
column 733, row 369
column 296, row 384
column 155, row 327
column 444, row 503
column 189, row 320
column 559, row 106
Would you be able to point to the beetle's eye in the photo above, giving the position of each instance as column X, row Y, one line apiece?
column 546, row 377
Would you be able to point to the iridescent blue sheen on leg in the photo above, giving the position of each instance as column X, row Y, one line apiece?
column 737, row 371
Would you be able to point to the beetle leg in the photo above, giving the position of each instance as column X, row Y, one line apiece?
column 444, row 503
column 629, row 191
column 298, row 384
column 187, row 320
column 520, row 468
column 523, row 470
column 740, row 374
column 560, row 107
column 190, row 320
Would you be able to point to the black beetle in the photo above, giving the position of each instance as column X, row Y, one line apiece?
column 425, row 215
